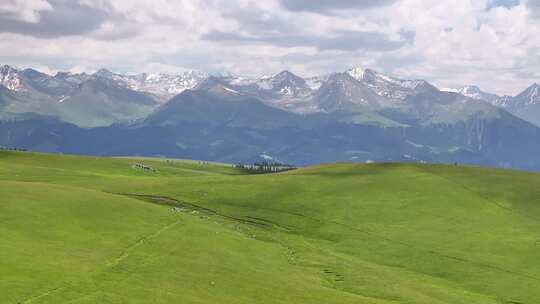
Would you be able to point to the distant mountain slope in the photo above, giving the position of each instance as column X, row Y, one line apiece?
column 526, row 105
column 342, row 92
column 475, row 92
column 82, row 99
column 101, row 102
column 218, row 105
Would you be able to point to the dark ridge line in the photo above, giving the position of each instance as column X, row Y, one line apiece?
column 169, row 201
column 364, row 231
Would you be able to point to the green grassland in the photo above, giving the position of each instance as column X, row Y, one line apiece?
column 97, row 230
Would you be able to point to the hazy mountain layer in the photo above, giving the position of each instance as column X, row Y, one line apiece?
column 358, row 115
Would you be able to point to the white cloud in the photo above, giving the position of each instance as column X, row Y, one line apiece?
column 25, row 10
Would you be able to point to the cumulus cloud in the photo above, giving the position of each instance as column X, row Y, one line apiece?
column 60, row 18
column 24, row 10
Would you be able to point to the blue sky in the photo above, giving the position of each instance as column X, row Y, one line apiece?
column 490, row 43
column 503, row 3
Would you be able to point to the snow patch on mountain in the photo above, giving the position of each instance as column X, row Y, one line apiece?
column 532, row 94
column 266, row 157
column 11, row 79
column 231, row 90
column 476, row 93
column 392, row 88
column 161, row 85
column 356, row 73
column 316, row 82
column 265, row 83
column 504, row 101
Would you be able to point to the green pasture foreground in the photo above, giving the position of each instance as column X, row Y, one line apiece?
column 102, row 230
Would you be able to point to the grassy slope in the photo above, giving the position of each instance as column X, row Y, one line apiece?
column 381, row 233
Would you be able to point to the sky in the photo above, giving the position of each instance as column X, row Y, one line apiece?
column 494, row 44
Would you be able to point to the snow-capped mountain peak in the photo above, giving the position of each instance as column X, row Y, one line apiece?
column 284, row 75
column 104, row 73
column 532, row 94
column 11, row 78
column 471, row 90
column 289, row 79
column 356, row 73
column 162, row 85
column 341, row 91
column 6, row 69
column 387, row 86
column 476, row 93
column 283, row 83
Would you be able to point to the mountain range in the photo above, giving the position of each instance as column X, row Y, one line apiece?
column 356, row 115
column 525, row 105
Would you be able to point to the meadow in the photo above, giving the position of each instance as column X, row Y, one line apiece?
column 77, row 229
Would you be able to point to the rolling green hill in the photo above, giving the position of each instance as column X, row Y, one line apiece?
column 102, row 230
